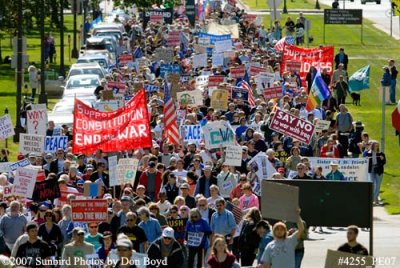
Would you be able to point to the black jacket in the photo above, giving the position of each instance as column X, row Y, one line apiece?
column 106, row 178
column 345, row 61
column 379, row 168
column 54, row 166
column 202, row 183
column 174, row 260
column 248, row 239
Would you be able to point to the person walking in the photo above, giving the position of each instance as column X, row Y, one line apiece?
column 376, row 163
column 386, row 83
column 393, row 77
column 352, row 246
column 33, row 80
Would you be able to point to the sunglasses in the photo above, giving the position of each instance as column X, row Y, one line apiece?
column 130, row 220
column 167, row 238
column 81, row 234
column 93, row 227
column 123, row 249
column 173, row 212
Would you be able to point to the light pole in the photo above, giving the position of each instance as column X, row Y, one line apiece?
column 317, row 5
column 43, row 94
column 6, row 112
column 74, row 53
column 62, row 66
column 284, row 11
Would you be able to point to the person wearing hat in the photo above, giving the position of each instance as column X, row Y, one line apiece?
column 76, row 251
column 135, row 233
column 106, row 246
column 184, row 192
column 124, row 250
column 81, row 163
column 152, row 180
column 32, row 159
column 166, row 247
column 335, row 174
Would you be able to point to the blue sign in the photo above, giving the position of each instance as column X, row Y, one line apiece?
column 215, row 37
column 52, row 143
column 169, row 68
column 191, row 133
column 23, row 163
column 239, row 93
column 151, row 88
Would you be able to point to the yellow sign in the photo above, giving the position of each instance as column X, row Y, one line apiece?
column 219, row 99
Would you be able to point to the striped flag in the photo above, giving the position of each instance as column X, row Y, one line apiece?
column 171, row 131
column 284, row 40
column 237, row 213
column 137, row 54
column 244, row 83
column 318, row 93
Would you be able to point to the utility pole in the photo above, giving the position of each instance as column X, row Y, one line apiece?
column 62, row 66
column 43, row 94
column 74, row 53
column 18, row 128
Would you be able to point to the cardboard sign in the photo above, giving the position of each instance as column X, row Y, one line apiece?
column 165, row 54
column 201, row 82
column 273, row 93
column 192, row 98
column 350, row 260
column 22, row 163
column 204, row 41
column 36, row 121
column 55, row 142
column 237, row 72
column 8, row 190
column 322, row 125
column 215, row 80
column 233, row 155
column 200, row 60
column 191, row 133
column 166, row 69
column 91, row 189
column 292, row 126
column 353, row 169
column 223, row 45
column 151, row 88
column 217, row 134
column 30, row 143
column 112, row 170
column 293, row 66
column 89, row 210
column 239, row 93
column 254, row 70
column 24, row 182
column 125, row 59
column 6, row 127
column 265, row 80
column 280, row 201
column 46, row 190
column 217, row 59
column 219, row 99
column 126, row 169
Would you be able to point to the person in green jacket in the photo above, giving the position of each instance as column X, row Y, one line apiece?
column 335, row 174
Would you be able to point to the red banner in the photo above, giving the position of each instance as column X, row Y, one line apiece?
column 119, row 85
column 237, row 72
column 125, row 58
column 292, row 126
column 215, row 80
column 254, row 70
column 273, row 93
column 94, row 210
column 123, row 129
column 320, row 58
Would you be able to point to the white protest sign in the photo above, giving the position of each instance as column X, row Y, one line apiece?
column 192, row 98
column 217, row 59
column 24, row 182
column 126, row 169
column 265, row 80
column 322, row 125
column 200, row 60
column 353, row 169
column 22, row 163
column 217, row 134
column 6, row 127
column 201, row 81
column 263, row 169
column 223, row 45
column 199, row 49
column 194, row 239
column 8, row 190
column 233, row 155
column 55, row 142
column 39, row 106
column 112, row 170
column 204, row 41
column 191, row 133
column 5, row 167
column 29, row 143
column 36, row 121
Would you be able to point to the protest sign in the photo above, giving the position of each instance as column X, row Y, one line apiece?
column 116, row 86
column 151, row 88
column 126, row 170
column 233, row 155
column 237, row 72
column 217, row 134
column 353, row 169
column 55, row 142
column 199, row 60
column 230, row 55
column 217, row 29
column 47, row 189
column 213, row 37
column 239, row 93
column 5, row 167
column 219, row 99
column 8, row 190
column 280, row 201
column 6, row 127
column 173, row 80
column 292, row 126
column 273, row 92
column 157, row 15
column 173, row 39
column 199, row 49
column 91, row 189
column 193, row 98
column 166, row 69
column 38, row 106
column 165, row 54
column 24, row 182
column 89, row 210
column 263, row 169
column 179, row 226
column 184, row 39
column 215, row 80
column 223, row 45
column 36, row 121
column 30, row 143
column 217, row 59
column 112, row 170
column 123, row 129
column 320, row 58
column 191, row 133
column 107, row 106
column 254, row 70
column 201, row 81
column 349, row 260
column 293, row 66
column 125, row 59
column 22, row 163
column 264, row 80
column 204, row 41
column 322, row 125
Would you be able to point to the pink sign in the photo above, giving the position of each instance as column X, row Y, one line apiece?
column 293, row 66
column 273, row 92
column 254, row 70
column 125, row 58
column 215, row 80
column 237, row 72
column 292, row 126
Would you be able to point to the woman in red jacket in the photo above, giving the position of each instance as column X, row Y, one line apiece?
column 330, row 150
column 152, row 180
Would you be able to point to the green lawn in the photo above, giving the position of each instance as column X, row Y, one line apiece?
column 295, row 4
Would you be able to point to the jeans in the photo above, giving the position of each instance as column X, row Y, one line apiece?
column 377, row 180
column 298, row 257
column 393, row 91
column 192, row 254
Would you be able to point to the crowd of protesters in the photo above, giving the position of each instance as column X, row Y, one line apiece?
column 188, row 180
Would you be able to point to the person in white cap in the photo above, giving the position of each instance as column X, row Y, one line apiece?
column 335, row 174
column 124, row 249
column 166, row 251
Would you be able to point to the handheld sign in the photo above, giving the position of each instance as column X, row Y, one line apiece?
column 89, row 210
column 6, row 127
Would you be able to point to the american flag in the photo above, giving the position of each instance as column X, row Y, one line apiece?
column 244, row 83
column 171, row 131
column 237, row 212
column 281, row 43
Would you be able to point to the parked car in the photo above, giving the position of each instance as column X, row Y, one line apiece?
column 63, row 111
column 81, row 85
column 86, row 68
column 101, row 59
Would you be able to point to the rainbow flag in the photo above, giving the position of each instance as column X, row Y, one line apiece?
column 206, row 8
column 318, row 93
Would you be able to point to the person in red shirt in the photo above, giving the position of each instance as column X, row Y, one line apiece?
column 220, row 256
column 151, row 179
column 330, row 150
column 237, row 192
